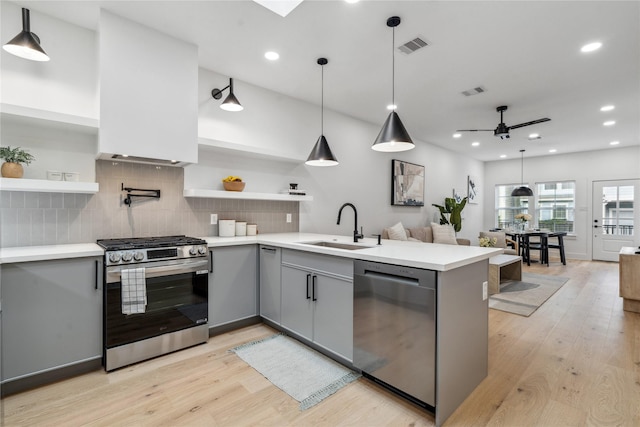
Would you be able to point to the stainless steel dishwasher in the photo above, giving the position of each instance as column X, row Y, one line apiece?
column 394, row 328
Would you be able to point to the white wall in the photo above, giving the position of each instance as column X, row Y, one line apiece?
column 277, row 123
column 583, row 168
column 68, row 83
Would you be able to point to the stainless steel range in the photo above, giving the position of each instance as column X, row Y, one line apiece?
column 155, row 297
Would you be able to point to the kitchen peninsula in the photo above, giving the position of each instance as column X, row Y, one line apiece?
column 461, row 351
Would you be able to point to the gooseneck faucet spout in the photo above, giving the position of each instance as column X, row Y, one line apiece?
column 356, row 235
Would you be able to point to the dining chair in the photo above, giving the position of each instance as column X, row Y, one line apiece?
column 559, row 245
column 539, row 244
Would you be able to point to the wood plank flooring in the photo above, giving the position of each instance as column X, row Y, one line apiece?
column 575, row 361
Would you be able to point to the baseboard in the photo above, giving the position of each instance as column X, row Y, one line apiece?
column 19, row 385
column 232, row 326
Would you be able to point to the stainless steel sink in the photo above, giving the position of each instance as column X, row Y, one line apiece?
column 336, row 245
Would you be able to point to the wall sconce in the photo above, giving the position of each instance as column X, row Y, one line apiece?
column 231, row 103
column 26, row 44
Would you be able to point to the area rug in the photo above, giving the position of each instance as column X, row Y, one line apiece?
column 526, row 296
column 301, row 372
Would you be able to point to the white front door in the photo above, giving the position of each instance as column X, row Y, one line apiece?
column 615, row 217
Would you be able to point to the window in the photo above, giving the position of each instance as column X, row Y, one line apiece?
column 555, row 205
column 507, row 207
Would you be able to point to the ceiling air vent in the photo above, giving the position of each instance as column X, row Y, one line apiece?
column 413, row 45
column 474, row 91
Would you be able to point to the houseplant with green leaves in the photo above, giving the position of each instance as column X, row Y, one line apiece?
column 13, row 160
column 451, row 212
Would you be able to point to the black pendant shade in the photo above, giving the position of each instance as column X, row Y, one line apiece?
column 522, row 191
column 26, row 44
column 321, row 154
column 393, row 136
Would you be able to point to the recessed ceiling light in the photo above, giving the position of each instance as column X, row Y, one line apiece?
column 534, row 135
column 614, row 143
column 607, row 108
column 271, row 55
column 553, row 150
column 609, row 123
column 125, row 155
column 392, row 107
column 475, row 143
column 352, row 1
column 503, row 156
column 457, row 135
column 591, row 47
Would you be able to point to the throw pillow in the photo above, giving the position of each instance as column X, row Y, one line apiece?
column 443, row 234
column 397, row 232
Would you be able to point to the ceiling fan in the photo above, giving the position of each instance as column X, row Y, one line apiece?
column 503, row 130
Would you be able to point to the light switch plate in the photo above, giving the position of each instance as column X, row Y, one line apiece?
column 288, row 217
column 485, row 291
column 214, row 219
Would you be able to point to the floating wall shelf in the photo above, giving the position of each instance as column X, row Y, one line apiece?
column 246, row 150
column 46, row 186
column 18, row 112
column 241, row 195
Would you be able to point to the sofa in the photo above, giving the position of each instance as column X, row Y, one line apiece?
column 422, row 234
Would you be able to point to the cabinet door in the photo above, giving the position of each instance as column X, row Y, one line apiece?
column 51, row 314
column 333, row 316
column 233, row 284
column 297, row 306
column 270, row 258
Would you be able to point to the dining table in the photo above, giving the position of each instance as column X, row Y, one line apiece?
column 525, row 244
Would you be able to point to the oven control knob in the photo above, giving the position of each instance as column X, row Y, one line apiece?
column 114, row 257
column 138, row 256
column 202, row 250
column 193, row 250
column 127, row 257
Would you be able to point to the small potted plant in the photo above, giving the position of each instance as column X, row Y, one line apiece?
column 13, row 159
column 233, row 183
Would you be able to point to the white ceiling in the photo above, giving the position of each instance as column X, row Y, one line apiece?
column 525, row 54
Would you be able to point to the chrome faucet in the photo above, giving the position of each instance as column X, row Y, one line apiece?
column 356, row 235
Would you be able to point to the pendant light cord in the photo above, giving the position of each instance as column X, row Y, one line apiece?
column 393, row 69
column 322, row 101
column 522, row 168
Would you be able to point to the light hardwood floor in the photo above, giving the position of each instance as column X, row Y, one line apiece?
column 575, row 361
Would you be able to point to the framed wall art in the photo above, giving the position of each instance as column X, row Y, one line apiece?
column 472, row 190
column 407, row 184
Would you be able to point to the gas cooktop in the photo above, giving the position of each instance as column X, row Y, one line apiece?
column 148, row 242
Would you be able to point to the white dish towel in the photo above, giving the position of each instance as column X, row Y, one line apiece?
column 134, row 290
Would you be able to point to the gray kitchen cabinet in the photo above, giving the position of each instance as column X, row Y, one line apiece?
column 270, row 279
column 317, row 299
column 233, row 284
column 51, row 315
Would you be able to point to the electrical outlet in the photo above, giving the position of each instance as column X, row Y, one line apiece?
column 214, row 219
column 288, row 217
column 485, row 291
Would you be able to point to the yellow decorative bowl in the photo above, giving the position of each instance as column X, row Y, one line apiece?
column 234, row 185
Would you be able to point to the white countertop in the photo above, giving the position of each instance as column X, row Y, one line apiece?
column 43, row 253
column 431, row 256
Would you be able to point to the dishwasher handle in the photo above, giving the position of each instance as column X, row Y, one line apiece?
column 411, row 281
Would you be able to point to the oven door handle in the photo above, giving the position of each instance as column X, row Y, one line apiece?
column 113, row 273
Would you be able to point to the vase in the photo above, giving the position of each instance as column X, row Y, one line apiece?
column 12, row 170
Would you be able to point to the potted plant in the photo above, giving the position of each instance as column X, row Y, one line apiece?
column 13, row 159
column 454, row 210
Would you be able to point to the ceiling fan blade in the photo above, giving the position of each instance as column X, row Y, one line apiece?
column 474, row 130
column 529, row 123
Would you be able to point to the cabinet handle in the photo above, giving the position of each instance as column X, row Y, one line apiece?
column 97, row 264
column 308, row 276
column 210, row 261
column 313, row 288
column 264, row 248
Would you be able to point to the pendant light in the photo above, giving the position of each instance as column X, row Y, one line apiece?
column 522, row 191
column 393, row 136
column 231, row 103
column 26, row 44
column 321, row 154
